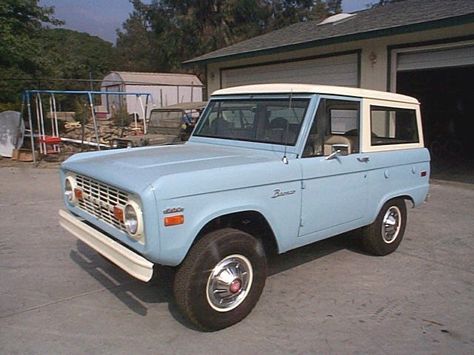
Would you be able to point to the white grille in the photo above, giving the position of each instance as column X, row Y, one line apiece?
column 99, row 200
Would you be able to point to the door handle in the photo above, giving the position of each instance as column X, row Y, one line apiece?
column 363, row 159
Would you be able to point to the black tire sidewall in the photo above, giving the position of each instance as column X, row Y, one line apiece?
column 373, row 239
column 209, row 251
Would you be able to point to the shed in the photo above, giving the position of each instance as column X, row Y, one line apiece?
column 164, row 88
column 421, row 48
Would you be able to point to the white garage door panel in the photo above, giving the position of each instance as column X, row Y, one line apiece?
column 340, row 70
column 436, row 58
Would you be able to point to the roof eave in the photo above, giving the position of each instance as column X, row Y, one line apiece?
column 417, row 27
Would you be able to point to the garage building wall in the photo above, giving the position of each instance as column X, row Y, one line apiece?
column 374, row 64
column 340, row 70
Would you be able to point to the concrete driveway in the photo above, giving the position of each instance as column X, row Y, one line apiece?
column 58, row 296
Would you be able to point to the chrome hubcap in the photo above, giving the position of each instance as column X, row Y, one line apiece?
column 229, row 283
column 391, row 224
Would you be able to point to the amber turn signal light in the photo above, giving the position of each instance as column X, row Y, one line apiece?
column 78, row 193
column 118, row 213
column 174, row 220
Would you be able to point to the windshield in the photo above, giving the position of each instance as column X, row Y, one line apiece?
column 166, row 119
column 276, row 121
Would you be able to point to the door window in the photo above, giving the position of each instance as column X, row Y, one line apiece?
column 335, row 127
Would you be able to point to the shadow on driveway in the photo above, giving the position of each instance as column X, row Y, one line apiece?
column 136, row 294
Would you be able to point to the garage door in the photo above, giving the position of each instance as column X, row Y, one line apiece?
column 337, row 70
column 439, row 58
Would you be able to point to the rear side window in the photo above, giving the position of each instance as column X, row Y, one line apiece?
column 390, row 125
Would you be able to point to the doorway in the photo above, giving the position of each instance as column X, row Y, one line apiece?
column 447, row 107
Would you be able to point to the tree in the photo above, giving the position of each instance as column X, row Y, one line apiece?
column 71, row 55
column 29, row 51
column 135, row 43
column 160, row 35
column 20, row 24
column 334, row 6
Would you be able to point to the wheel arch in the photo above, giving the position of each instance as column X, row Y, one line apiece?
column 247, row 220
column 402, row 196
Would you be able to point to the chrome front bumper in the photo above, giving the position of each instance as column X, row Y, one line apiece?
column 133, row 263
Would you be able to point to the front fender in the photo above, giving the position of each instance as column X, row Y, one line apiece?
column 282, row 214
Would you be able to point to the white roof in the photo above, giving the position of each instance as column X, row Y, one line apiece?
column 140, row 78
column 314, row 89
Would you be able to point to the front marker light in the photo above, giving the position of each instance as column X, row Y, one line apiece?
column 174, row 220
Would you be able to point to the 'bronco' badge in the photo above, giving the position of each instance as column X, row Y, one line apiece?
column 279, row 193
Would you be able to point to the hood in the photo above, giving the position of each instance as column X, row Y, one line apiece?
column 136, row 169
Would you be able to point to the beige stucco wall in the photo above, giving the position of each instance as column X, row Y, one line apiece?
column 374, row 55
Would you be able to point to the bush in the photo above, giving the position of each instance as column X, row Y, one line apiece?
column 121, row 118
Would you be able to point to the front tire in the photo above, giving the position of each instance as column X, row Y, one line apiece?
column 221, row 279
column 385, row 235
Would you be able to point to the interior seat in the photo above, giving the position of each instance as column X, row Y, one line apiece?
column 280, row 130
column 330, row 141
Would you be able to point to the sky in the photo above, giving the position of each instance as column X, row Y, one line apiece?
column 103, row 17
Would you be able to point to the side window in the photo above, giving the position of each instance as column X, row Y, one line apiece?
column 391, row 125
column 335, row 127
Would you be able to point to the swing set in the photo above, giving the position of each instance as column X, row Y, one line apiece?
column 49, row 142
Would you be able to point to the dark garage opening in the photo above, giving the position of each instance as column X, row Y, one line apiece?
column 447, row 108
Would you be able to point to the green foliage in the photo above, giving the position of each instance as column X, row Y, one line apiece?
column 121, row 117
column 29, row 52
column 74, row 55
column 10, row 106
column 20, row 23
column 334, row 6
column 157, row 37
column 160, row 35
column 81, row 109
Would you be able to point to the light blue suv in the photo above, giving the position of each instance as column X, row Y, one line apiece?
column 268, row 168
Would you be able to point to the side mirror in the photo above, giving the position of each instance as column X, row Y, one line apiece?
column 333, row 155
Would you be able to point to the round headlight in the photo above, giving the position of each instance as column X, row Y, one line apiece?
column 69, row 189
column 131, row 219
column 114, row 144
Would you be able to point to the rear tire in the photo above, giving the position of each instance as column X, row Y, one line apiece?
column 221, row 279
column 385, row 235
